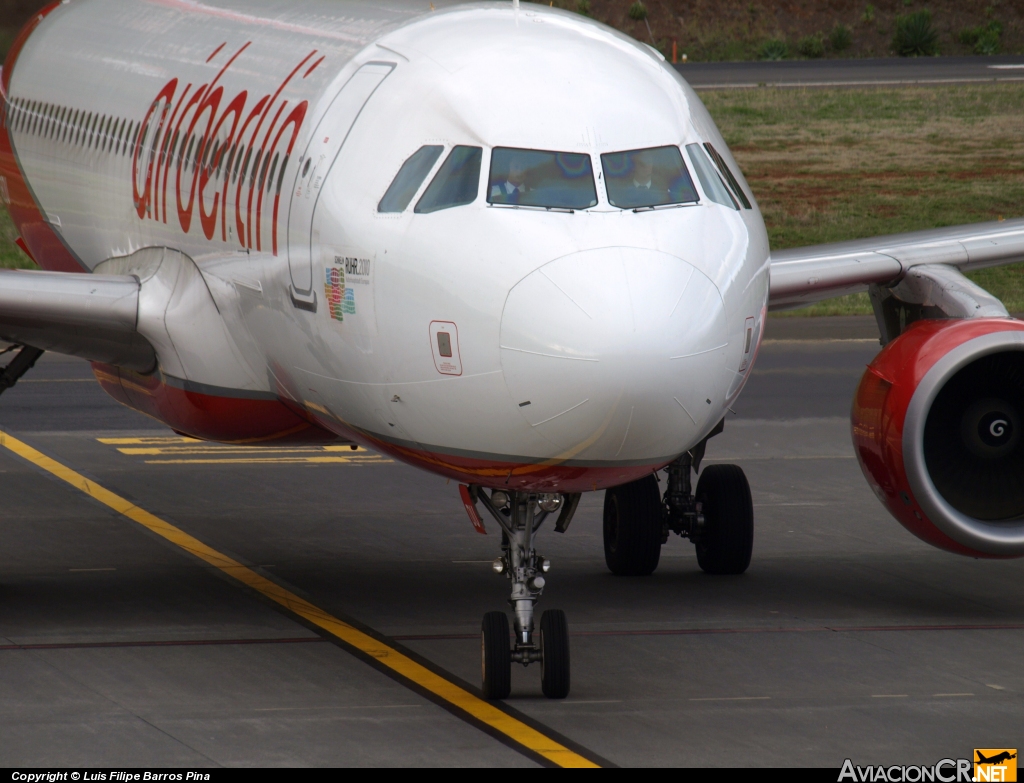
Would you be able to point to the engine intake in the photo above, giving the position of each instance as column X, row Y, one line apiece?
column 938, row 427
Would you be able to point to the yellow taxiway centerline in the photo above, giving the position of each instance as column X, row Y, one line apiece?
column 389, row 657
column 270, row 461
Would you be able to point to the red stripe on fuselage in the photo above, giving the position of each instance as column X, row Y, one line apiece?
column 209, row 417
column 44, row 245
column 500, row 472
column 274, row 421
column 546, row 476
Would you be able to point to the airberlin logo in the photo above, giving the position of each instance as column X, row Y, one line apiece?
column 200, row 153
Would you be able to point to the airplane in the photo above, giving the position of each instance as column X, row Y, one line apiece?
column 500, row 242
column 996, row 759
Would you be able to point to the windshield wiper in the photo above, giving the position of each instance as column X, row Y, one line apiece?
column 534, row 206
column 666, row 206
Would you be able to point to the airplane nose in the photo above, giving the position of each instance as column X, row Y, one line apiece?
column 616, row 354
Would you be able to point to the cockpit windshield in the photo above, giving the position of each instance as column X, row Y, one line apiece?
column 648, row 178
column 714, row 188
column 456, row 183
column 409, row 179
column 535, row 178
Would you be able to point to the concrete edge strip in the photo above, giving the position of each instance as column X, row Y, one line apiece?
column 857, row 83
column 399, row 664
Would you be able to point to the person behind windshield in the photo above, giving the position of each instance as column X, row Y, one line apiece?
column 643, row 188
column 509, row 191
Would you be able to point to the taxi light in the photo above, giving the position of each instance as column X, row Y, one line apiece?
column 550, row 503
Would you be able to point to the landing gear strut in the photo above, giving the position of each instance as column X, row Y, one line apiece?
column 22, row 362
column 520, row 515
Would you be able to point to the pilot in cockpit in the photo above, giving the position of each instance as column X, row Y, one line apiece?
column 642, row 172
column 514, row 185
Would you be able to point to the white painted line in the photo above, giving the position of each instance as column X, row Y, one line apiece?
column 761, row 459
column 771, row 341
column 995, row 687
column 774, row 505
column 733, row 698
column 1015, row 66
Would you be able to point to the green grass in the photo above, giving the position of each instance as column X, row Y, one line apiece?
column 11, row 256
column 830, row 165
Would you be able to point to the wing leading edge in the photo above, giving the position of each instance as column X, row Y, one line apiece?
column 802, row 276
column 91, row 316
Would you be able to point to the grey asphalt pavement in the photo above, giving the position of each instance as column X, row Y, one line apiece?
column 846, row 638
column 882, row 71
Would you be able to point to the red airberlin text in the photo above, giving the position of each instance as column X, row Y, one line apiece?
column 198, row 151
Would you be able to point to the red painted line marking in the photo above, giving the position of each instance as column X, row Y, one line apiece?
column 171, row 643
column 466, row 636
column 711, row 631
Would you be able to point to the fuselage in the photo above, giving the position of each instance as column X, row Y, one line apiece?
column 564, row 345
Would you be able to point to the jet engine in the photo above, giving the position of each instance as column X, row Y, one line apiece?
column 938, row 427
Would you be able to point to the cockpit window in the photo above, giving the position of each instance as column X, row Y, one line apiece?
column 727, row 173
column 712, row 183
column 409, row 179
column 456, row 182
column 654, row 177
column 535, row 178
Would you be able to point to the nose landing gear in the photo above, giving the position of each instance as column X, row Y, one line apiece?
column 520, row 515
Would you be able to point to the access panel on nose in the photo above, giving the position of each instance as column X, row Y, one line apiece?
column 324, row 145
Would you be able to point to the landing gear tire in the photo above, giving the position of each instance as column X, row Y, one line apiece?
column 727, row 537
column 496, row 656
column 554, row 647
column 633, row 527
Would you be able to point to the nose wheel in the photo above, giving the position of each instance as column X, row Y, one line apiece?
column 520, row 515
column 554, row 654
column 496, row 656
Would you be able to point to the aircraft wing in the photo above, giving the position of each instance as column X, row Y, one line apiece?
column 91, row 316
column 804, row 275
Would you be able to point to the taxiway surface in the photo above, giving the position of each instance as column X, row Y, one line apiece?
column 846, row 638
column 871, row 72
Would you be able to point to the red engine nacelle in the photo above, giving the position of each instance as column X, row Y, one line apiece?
column 938, row 427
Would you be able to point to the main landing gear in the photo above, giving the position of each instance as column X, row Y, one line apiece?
column 520, row 515
column 718, row 518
